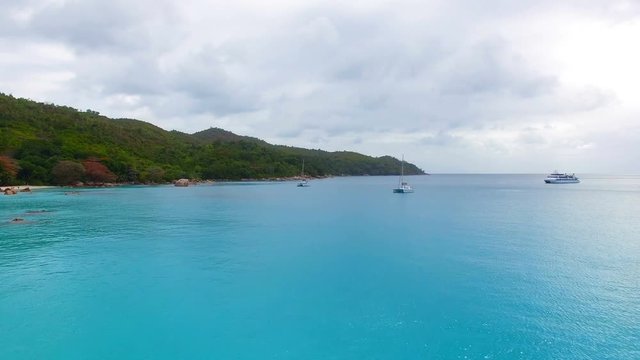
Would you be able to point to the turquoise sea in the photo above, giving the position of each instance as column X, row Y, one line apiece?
column 467, row 267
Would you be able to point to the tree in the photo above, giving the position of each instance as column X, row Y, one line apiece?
column 67, row 172
column 95, row 171
column 31, row 173
column 8, row 170
column 155, row 175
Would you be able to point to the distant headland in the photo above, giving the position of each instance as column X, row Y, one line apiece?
column 46, row 144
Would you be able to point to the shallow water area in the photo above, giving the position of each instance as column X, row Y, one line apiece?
column 468, row 266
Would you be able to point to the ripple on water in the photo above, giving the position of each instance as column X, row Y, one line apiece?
column 466, row 266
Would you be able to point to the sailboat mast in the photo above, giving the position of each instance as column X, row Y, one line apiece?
column 302, row 172
column 402, row 170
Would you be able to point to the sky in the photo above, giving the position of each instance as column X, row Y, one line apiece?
column 460, row 86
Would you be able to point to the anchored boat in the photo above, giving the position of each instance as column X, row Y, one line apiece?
column 303, row 182
column 403, row 186
column 561, row 178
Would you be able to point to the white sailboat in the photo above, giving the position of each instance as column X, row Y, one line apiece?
column 403, row 187
column 303, row 182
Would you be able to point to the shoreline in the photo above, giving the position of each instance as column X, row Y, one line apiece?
column 25, row 187
column 20, row 188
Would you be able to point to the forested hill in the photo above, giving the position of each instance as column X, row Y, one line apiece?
column 49, row 144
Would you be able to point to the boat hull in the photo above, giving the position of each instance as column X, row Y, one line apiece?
column 402, row 191
column 552, row 181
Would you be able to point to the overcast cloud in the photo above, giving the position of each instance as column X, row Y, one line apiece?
column 457, row 86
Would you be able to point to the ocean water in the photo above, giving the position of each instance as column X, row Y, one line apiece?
column 467, row 267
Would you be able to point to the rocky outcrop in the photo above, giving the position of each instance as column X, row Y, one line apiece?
column 181, row 182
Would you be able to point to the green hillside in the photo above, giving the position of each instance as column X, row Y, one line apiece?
column 49, row 144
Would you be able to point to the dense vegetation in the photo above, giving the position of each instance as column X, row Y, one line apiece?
column 49, row 144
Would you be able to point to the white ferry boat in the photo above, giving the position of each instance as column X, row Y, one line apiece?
column 558, row 178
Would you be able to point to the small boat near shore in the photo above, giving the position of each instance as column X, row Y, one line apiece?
column 561, row 178
column 303, row 182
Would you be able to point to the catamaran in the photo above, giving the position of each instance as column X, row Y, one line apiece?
column 403, row 186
